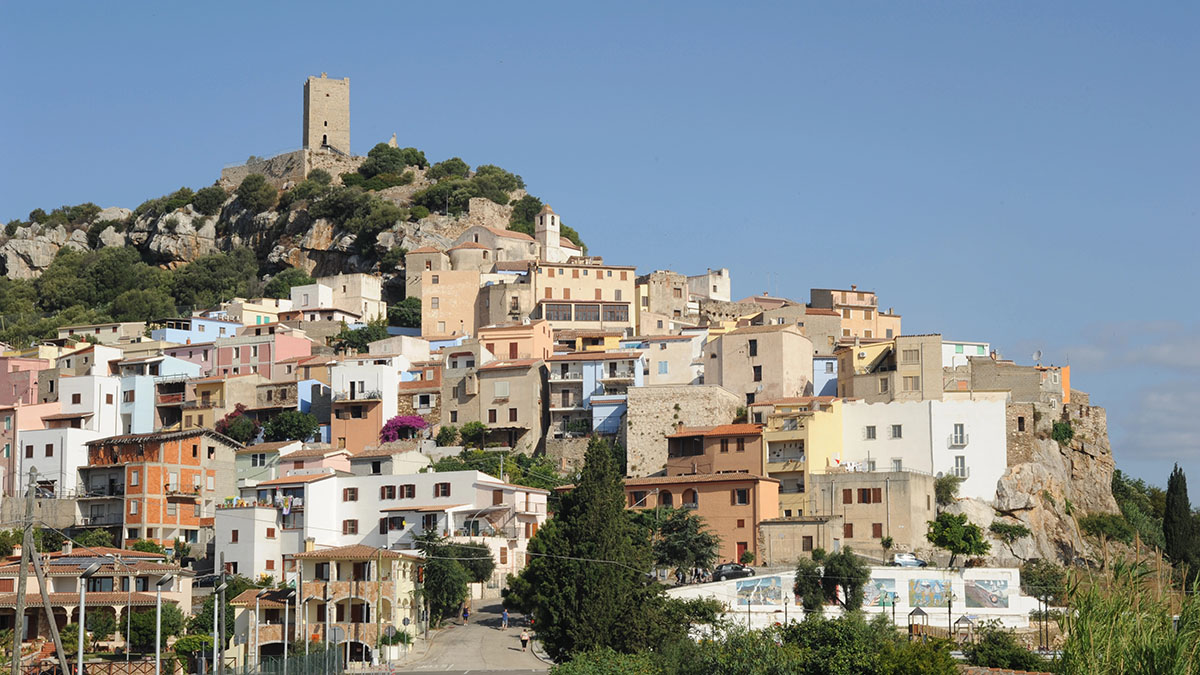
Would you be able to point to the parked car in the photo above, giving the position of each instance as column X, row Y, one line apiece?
column 731, row 571
column 907, row 560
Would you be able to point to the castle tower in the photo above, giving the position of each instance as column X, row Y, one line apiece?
column 547, row 230
column 327, row 113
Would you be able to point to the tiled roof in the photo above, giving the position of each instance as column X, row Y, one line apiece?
column 268, row 447
column 352, row 552
column 774, row 328
column 513, row 266
column 510, row 364
column 72, row 599
column 315, row 452
column 67, row 416
column 719, row 430
column 423, row 509
column 296, row 480
column 160, row 436
column 424, row 249
column 660, row 338
column 509, row 233
column 470, row 245
column 563, row 241
column 699, row 478
column 572, row 333
column 385, row 449
column 99, row 551
column 273, row 599
column 821, row 311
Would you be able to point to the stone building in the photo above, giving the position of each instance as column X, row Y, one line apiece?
column 327, row 113
column 908, row 368
column 861, row 317
column 761, row 362
column 654, row 412
column 874, row 505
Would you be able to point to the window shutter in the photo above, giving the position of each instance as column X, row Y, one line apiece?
column 383, row 526
column 877, row 495
column 847, row 496
column 848, row 531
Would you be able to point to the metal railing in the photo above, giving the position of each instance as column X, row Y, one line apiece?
column 958, row 440
column 102, row 492
column 561, row 376
column 374, row 395
column 617, row 375
column 169, row 399
column 104, row 519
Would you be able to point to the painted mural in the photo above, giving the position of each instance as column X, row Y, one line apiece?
column 986, row 593
column 879, row 593
column 928, row 592
column 760, row 591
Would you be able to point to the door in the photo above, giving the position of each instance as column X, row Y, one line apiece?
column 512, row 350
column 566, row 399
column 741, row 549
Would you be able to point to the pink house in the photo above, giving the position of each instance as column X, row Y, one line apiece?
column 250, row 352
column 13, row 420
column 19, row 379
column 319, row 457
column 200, row 353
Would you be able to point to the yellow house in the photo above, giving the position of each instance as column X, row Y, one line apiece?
column 803, row 436
column 582, row 340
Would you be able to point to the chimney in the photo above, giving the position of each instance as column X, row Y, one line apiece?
column 854, row 287
column 16, row 551
column 310, row 544
column 68, row 546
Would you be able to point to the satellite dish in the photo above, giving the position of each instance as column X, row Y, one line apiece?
column 862, row 355
column 1037, row 356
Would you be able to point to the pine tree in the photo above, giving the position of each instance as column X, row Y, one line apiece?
column 1179, row 528
column 584, row 584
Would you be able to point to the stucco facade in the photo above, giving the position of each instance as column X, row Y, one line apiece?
column 760, row 362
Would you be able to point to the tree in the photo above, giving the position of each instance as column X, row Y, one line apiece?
column 101, row 625
column 94, row 538
column 584, row 583
column 402, row 427
column 215, row 277
column 525, row 210
column 69, row 634
column 141, row 626
column 958, row 536
column 142, row 305
column 47, row 540
column 256, row 194
column 383, row 158
column 280, row 285
column 453, row 167
column 201, row 622
column 406, row 313
column 1179, row 526
column 1062, row 432
column 445, row 587
column 843, row 569
column 995, row 647
column 682, row 540
column 808, row 585
column 945, row 489
column 747, row 557
column 358, row 338
column 476, row 559
column 147, row 546
column 447, row 435
column 474, row 433
column 208, row 201
column 1009, row 533
column 238, row 425
column 291, row 425
column 1045, row 580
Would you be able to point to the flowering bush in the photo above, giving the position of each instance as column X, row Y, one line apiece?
column 401, row 427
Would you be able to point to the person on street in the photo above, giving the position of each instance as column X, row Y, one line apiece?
column 504, row 619
column 466, row 614
column 524, row 639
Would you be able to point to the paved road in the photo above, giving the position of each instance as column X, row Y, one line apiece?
column 478, row 647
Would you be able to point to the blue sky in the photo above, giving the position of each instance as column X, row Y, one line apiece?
column 1008, row 172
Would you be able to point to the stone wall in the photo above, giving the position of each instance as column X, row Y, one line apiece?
column 332, row 162
column 567, row 453
column 404, row 406
column 1020, row 441
column 56, row 513
column 278, row 170
column 655, row 411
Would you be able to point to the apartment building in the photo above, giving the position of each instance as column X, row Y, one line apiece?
column 104, row 333
column 207, row 399
column 19, row 380
column 152, row 392
column 15, row 420
column 89, row 406
column 519, row 340
column 908, row 368
column 448, row 302
column 713, row 285
column 955, row 353
column 360, row 294
column 874, row 505
column 665, row 293
column 364, row 392
column 761, row 362
column 671, row 359
column 588, row 390
column 861, row 317
column 506, row 395
column 186, row 330
column 261, row 462
column 253, row 311
column 803, row 437
column 584, row 296
column 1025, row 384
column 732, row 505
column 157, row 486
column 726, row 448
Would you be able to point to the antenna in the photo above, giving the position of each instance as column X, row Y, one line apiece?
column 1037, row 357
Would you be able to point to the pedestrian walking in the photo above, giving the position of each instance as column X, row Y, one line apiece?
column 524, row 639
column 504, row 619
column 466, row 614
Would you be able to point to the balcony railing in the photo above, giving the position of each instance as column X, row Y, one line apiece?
column 692, row 506
column 617, row 375
column 565, row 377
column 177, row 491
column 791, row 489
column 524, row 508
column 170, row 399
column 203, row 403
column 102, row 520
column 958, row 440
column 103, row 492
column 374, row 395
column 963, row 472
column 785, row 457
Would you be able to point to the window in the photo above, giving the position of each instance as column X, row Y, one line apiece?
column 828, row 367
column 845, row 314
column 724, row 445
column 662, row 367
column 29, row 453
column 258, row 459
column 503, row 555
column 502, row 390
column 883, row 385
column 512, row 414
column 959, row 437
column 587, row 312
column 741, row 522
column 958, row 349
column 741, row 496
column 897, row 465
column 349, row 527
column 741, row 445
column 270, row 563
column 133, row 508
column 758, row 373
column 49, row 449
column 910, row 355
column 848, row 531
column 387, row 491
column 616, row 312
column 408, row 491
column 349, row 494
column 491, row 416
column 912, row 383
column 429, row 521
column 889, row 333
column 845, row 332
column 270, row 533
column 172, row 508
column 434, row 302
column 869, row 433
column 556, row 312
column 76, row 399
column 960, row 466
column 877, row 530
column 806, row 543
column 753, row 347
column 453, row 415
column 847, row 496
column 897, row 431
column 434, row 279
column 441, row 490
column 1020, row 424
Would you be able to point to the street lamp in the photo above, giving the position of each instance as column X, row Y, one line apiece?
column 287, row 600
column 158, row 586
column 83, row 579
column 216, row 596
column 128, row 599
column 257, row 646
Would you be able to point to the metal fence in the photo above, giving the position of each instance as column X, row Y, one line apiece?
column 328, row 662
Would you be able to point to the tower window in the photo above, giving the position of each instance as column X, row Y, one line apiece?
column 326, row 122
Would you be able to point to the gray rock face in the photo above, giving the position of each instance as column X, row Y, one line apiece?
column 114, row 213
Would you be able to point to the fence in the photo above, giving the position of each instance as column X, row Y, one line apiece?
column 328, row 662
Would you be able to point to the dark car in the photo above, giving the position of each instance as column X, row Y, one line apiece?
column 731, row 571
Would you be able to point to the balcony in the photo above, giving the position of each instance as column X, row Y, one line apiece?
column 566, row 377
column 347, row 396
column 106, row 492
column 177, row 492
column 963, row 472
column 527, row 508
column 102, row 520
column 203, row 404
column 690, row 506
column 958, row 440
column 169, row 399
column 791, row 489
column 619, row 374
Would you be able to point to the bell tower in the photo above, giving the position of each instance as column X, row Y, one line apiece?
column 547, row 230
column 327, row 114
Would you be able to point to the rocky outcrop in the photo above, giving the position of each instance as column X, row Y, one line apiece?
column 1052, row 487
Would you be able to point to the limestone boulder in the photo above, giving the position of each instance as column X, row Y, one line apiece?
column 113, row 213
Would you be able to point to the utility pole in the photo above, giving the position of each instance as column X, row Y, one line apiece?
column 23, row 577
column 220, row 600
column 41, row 578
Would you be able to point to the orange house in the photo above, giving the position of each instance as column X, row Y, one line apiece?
column 159, row 486
column 727, row 448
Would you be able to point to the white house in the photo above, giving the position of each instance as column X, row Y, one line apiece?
column 955, row 353
column 89, row 410
column 963, row 434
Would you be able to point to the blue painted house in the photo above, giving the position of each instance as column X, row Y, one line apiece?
column 193, row 329
column 587, row 390
column 824, row 375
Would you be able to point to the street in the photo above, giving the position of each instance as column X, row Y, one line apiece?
column 478, row 647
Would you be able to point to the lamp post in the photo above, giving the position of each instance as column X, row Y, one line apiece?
column 287, row 601
column 128, row 598
column 158, row 586
column 83, row 579
column 257, row 647
column 218, row 593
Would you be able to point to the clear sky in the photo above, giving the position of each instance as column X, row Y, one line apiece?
column 1022, row 173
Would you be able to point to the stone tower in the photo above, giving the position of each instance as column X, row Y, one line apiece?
column 548, row 234
column 327, row 113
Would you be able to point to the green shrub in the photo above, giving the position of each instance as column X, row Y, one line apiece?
column 319, row 176
column 209, row 200
column 418, row 212
column 1107, row 526
column 453, row 167
column 383, row 158
column 280, row 285
column 11, row 228
column 995, row 647
column 1062, row 432
column 447, row 435
column 393, row 259
column 256, row 194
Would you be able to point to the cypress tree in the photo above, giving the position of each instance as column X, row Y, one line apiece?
column 584, row 583
column 1179, row 528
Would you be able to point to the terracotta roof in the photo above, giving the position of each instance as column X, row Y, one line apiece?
column 274, row 598
column 385, row 449
column 471, row 245
column 594, row 356
column 268, row 447
column 73, row 570
column 220, row 378
column 545, row 209
column 418, row 385
column 698, row 478
column 67, row 416
column 296, row 480
column 563, row 241
column 513, row 265
column 72, row 599
column 315, row 452
column 293, row 358
column 660, row 338
column 572, row 333
column 509, row 233
column 510, row 364
column 819, row 310
column 352, row 552
column 424, row 249
column 796, row 400
column 423, row 509
column 99, row 551
column 159, row 436
column 719, row 430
